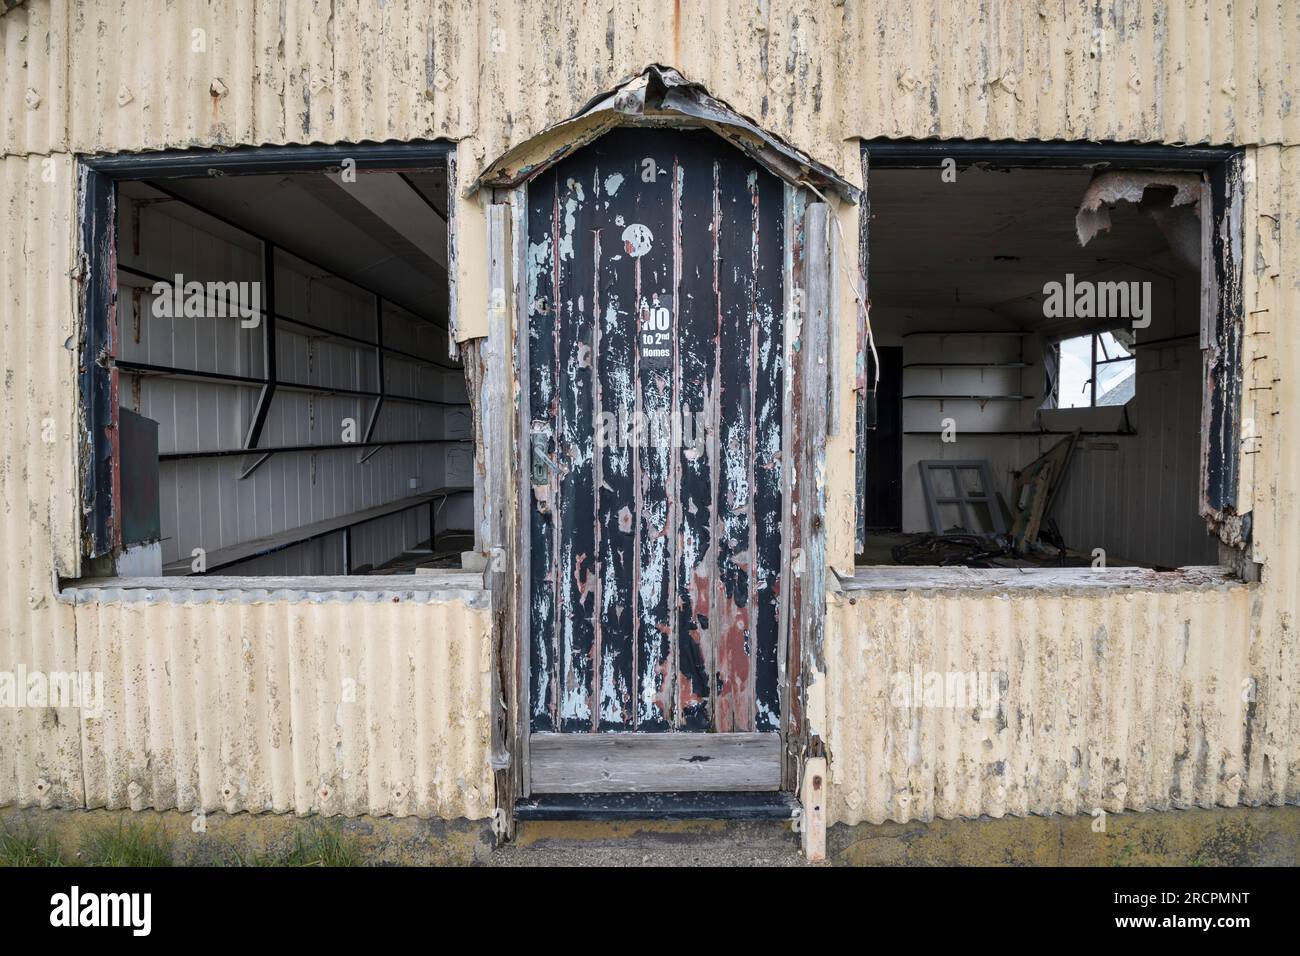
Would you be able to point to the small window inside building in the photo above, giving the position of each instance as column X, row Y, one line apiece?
column 1097, row 369
column 285, row 398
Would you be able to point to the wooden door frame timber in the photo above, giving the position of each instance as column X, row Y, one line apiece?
column 808, row 314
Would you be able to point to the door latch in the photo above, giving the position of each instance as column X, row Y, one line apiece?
column 542, row 463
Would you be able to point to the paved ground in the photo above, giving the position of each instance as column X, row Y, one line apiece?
column 651, row 844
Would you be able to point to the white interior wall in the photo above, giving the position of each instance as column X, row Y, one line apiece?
column 202, row 501
column 1002, row 453
column 1133, row 496
column 1136, row 497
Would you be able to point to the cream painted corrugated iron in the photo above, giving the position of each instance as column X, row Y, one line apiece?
column 40, row 749
column 82, row 75
column 330, row 702
column 1121, row 700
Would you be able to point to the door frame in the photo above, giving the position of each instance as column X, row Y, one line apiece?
column 811, row 296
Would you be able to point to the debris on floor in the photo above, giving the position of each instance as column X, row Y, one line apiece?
column 1034, row 490
column 982, row 530
column 946, row 550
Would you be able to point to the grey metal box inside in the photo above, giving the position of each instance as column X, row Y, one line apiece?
column 138, row 450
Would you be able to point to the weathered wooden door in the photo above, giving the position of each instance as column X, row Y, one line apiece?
column 655, row 298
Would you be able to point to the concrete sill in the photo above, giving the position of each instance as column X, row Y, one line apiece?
column 1034, row 580
column 426, row 587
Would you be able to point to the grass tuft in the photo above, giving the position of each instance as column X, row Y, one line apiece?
column 316, row 846
column 131, row 844
column 126, row 845
column 25, row 847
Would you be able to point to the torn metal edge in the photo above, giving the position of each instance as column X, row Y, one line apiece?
column 660, row 95
column 1115, row 186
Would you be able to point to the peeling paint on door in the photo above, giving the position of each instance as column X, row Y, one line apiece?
column 656, row 371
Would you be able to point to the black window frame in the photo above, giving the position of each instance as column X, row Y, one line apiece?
column 1095, row 343
column 1221, row 332
column 97, row 178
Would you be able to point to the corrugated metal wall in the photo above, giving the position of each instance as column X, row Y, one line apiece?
column 84, row 76
column 40, row 760
column 325, row 702
column 215, row 701
column 1116, row 701
column 815, row 71
column 1271, row 459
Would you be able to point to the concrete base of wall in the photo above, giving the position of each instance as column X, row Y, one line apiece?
column 1264, row 836
column 233, row 839
column 1242, row 836
column 1260, row 836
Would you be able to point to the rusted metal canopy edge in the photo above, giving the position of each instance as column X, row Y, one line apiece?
column 659, row 96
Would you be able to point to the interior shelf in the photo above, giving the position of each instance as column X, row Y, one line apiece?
column 1014, row 333
column 966, row 365
column 968, row 398
column 269, row 544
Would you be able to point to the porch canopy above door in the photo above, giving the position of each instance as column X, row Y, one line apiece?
column 661, row 96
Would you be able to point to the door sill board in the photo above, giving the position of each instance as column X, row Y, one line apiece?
column 707, row 805
column 653, row 763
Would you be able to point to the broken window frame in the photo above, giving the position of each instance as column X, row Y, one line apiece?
column 1222, row 312
column 1095, row 344
column 98, row 175
column 1099, row 345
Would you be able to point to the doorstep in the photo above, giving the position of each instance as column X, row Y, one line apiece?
column 682, row 805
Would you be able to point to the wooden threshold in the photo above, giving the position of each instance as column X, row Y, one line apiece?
column 653, row 763
column 695, row 805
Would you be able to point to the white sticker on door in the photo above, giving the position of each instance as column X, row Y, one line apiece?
column 656, row 344
column 637, row 240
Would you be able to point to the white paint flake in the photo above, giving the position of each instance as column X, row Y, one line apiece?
column 539, row 254
column 575, row 199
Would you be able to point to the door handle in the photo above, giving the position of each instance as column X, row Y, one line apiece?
column 542, row 463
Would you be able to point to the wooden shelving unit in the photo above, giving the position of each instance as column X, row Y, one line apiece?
column 983, row 399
